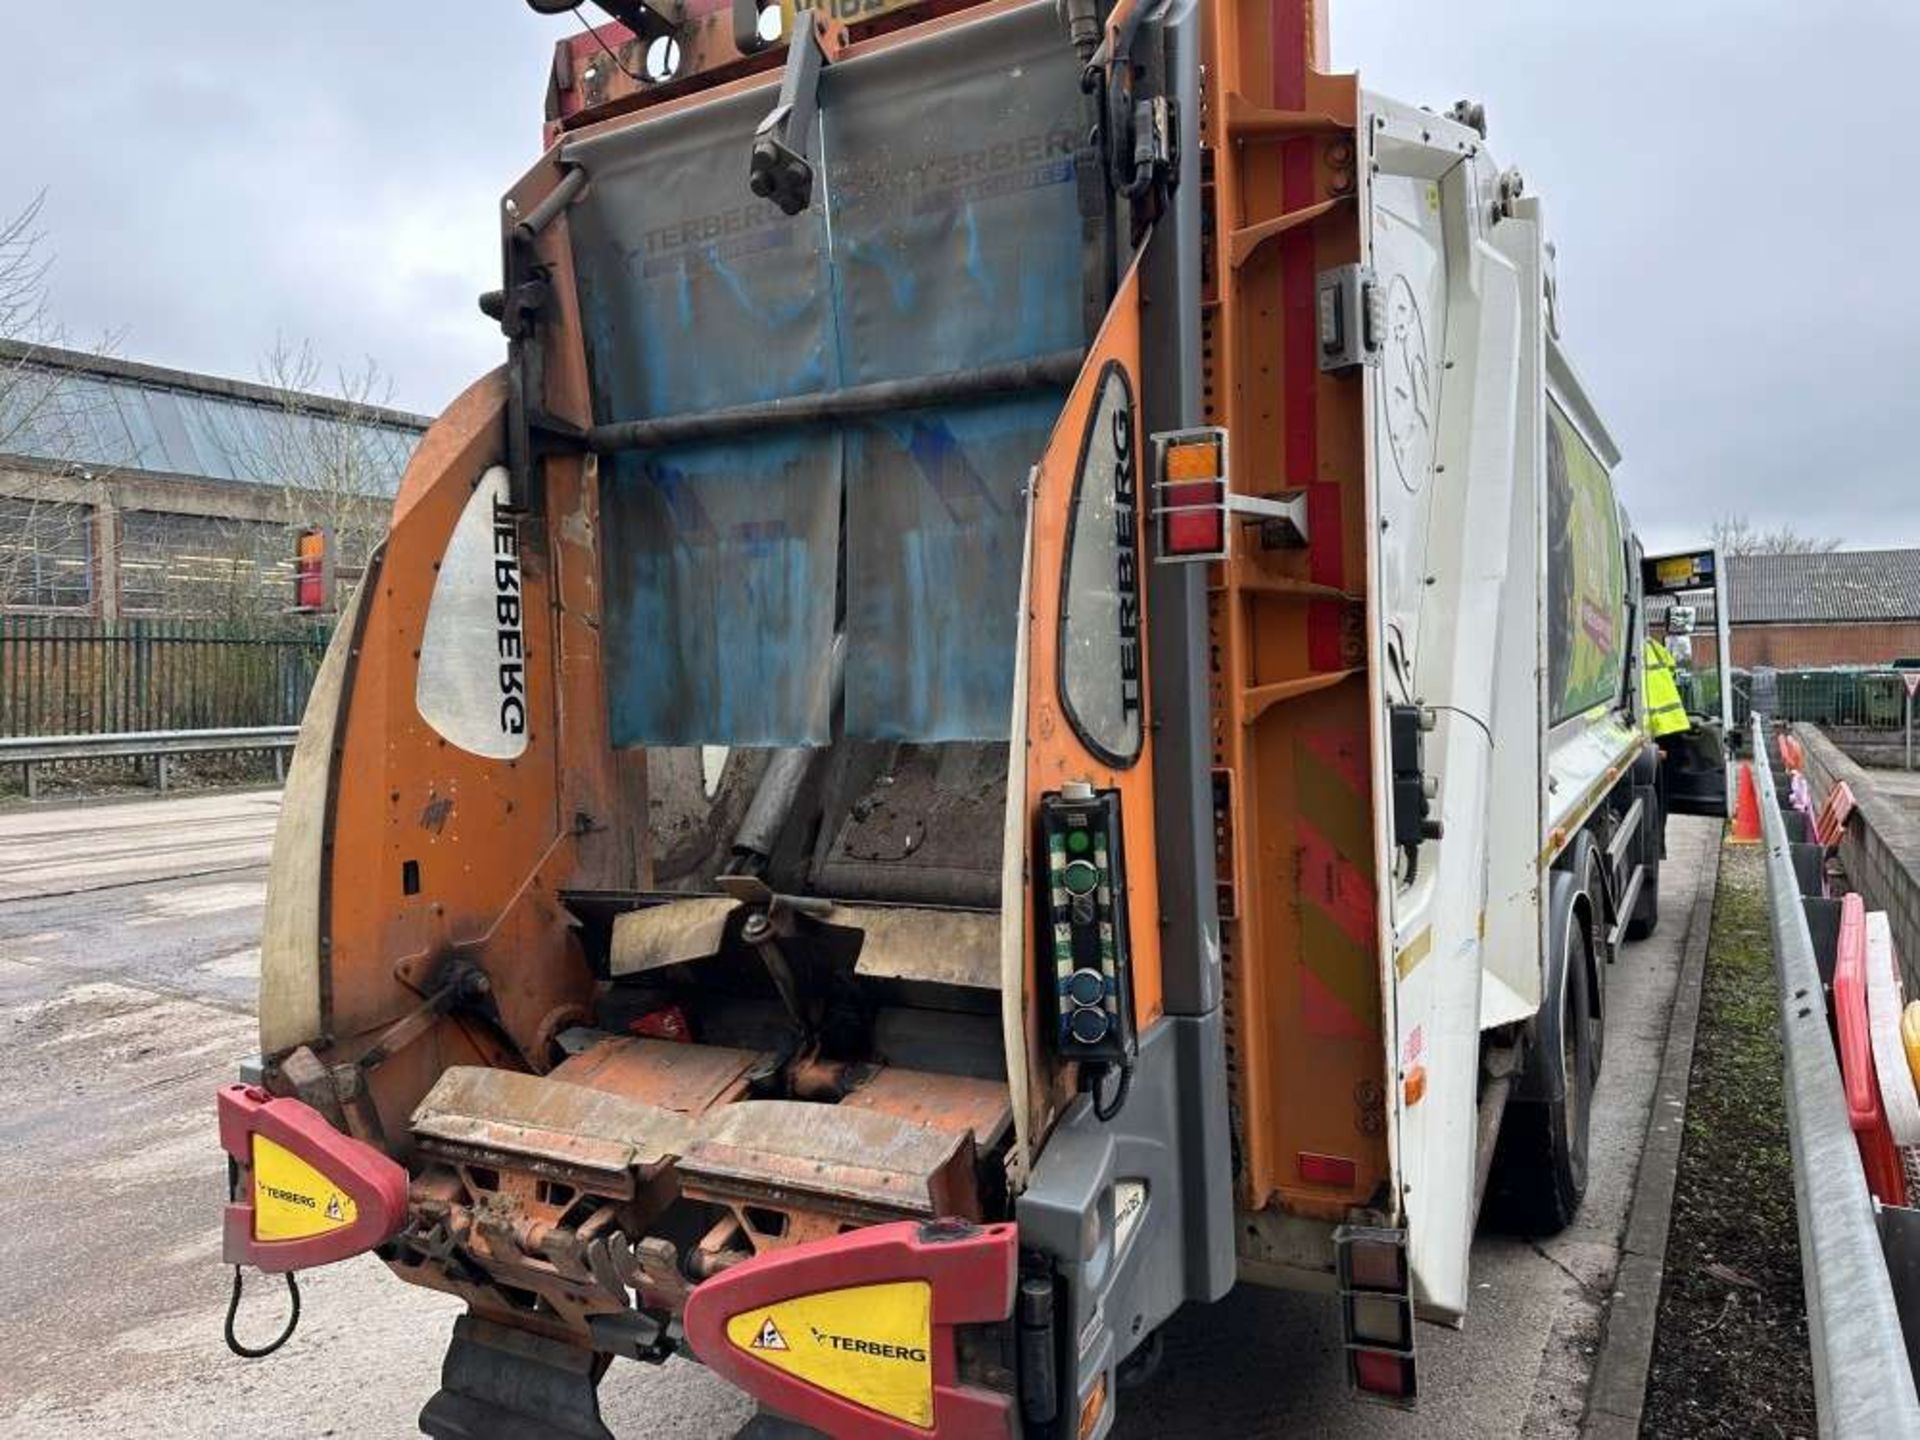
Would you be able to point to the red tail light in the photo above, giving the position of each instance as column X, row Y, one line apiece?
column 1193, row 520
column 1381, row 1372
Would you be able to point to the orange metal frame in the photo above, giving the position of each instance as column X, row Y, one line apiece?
column 1292, row 698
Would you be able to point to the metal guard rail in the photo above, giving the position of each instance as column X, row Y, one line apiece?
column 28, row 751
column 1863, row 1384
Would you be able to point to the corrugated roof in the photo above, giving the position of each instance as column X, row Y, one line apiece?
column 121, row 415
column 1841, row 585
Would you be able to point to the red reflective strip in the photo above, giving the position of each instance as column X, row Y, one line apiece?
column 1300, row 400
column 1324, row 559
column 1290, row 58
column 1337, row 885
column 1345, row 753
column 1336, row 1170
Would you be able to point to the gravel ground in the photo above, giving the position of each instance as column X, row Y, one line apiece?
column 1730, row 1355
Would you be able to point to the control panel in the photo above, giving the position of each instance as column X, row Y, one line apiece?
column 1086, row 936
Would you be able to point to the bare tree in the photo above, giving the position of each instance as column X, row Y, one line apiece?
column 330, row 461
column 1735, row 535
column 45, row 540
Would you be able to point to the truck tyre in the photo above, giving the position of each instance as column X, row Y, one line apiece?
column 1541, row 1162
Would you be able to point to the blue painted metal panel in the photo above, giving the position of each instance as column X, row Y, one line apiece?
column 944, row 235
column 933, row 568
column 720, row 572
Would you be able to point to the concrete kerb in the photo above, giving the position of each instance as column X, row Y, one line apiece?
column 1618, row 1393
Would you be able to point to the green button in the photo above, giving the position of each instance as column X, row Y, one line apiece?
column 1081, row 877
column 1078, row 841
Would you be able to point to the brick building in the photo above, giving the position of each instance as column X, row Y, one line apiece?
column 128, row 489
column 1844, row 607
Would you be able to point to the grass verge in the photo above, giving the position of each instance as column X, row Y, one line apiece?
column 1730, row 1351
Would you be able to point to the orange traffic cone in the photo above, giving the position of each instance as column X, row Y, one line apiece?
column 1746, row 810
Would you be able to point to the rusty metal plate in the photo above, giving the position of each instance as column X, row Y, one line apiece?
column 687, row 1078
column 947, row 947
column 954, row 1104
column 669, row 934
column 542, row 1118
column 846, row 1160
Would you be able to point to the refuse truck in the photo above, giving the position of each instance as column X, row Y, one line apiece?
column 1019, row 705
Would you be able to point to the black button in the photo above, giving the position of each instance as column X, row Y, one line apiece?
column 1089, row 1026
column 1086, row 987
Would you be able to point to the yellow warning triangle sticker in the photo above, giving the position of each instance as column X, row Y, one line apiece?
column 870, row 1344
column 291, row 1199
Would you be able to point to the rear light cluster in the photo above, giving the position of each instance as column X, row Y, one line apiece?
column 1190, row 495
column 1376, row 1300
column 1194, row 501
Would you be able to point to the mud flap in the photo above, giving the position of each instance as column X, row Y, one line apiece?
column 504, row 1384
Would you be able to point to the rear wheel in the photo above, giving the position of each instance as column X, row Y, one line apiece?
column 1542, row 1157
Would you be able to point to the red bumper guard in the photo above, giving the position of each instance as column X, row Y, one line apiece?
column 855, row 1335
column 304, row 1194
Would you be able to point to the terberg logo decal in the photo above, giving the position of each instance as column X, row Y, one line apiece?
column 473, row 683
column 1126, row 550
column 506, row 610
column 1101, row 664
column 879, row 1349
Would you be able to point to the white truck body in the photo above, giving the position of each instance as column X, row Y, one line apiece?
column 1470, row 379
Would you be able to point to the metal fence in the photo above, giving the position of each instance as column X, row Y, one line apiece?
column 1863, row 1384
column 79, row 676
column 1844, row 696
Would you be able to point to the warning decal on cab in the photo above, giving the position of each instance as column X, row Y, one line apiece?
column 871, row 1344
column 291, row 1199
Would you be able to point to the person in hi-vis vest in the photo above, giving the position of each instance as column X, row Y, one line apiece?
column 1666, row 711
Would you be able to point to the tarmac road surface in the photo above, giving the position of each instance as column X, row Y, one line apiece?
column 128, row 957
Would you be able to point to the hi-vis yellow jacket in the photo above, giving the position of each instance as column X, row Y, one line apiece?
column 1666, row 712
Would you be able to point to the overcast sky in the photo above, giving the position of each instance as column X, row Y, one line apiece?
column 1730, row 184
